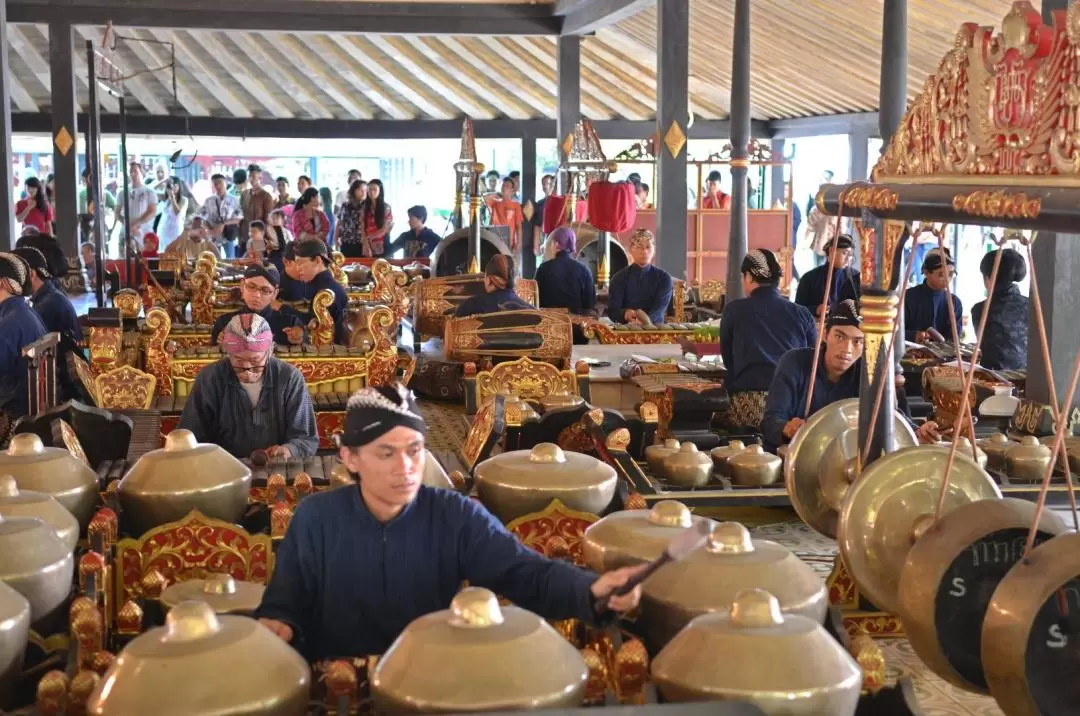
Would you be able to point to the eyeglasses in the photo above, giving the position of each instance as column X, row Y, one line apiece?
column 253, row 369
column 267, row 291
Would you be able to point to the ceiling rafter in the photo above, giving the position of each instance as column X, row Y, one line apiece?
column 234, row 64
column 139, row 88
column 304, row 61
column 397, row 80
column 20, row 97
column 25, row 50
column 149, row 54
column 457, row 94
column 347, row 54
column 203, row 74
column 540, row 99
column 253, row 48
column 438, row 51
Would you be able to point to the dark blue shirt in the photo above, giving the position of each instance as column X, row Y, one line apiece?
column 492, row 302
column 566, row 283
column 219, row 411
column 325, row 280
column 19, row 327
column 924, row 308
column 787, row 392
column 755, row 332
column 279, row 320
column 414, row 245
column 348, row 584
column 293, row 289
column 642, row 288
column 1004, row 345
column 811, row 291
column 56, row 312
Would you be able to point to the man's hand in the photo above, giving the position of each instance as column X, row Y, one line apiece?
column 630, row 316
column 609, row 582
column 820, row 310
column 791, row 427
column 295, row 335
column 281, row 451
column 928, row 433
column 280, row 629
column 934, row 335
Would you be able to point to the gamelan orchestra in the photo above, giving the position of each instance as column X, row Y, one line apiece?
column 217, row 500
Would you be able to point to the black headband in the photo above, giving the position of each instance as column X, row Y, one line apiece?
column 373, row 412
column 844, row 313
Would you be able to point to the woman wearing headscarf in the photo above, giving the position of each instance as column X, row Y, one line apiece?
column 19, row 327
column 755, row 332
column 564, row 282
column 250, row 400
column 308, row 220
column 640, row 291
column 926, row 316
column 498, row 292
column 1004, row 344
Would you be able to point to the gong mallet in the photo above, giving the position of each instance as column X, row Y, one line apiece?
column 689, row 540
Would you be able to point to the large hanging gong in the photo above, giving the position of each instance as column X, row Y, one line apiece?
column 950, row 575
column 1031, row 634
column 450, row 256
column 817, row 470
column 589, row 252
column 889, row 507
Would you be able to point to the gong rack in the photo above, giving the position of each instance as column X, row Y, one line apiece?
column 987, row 585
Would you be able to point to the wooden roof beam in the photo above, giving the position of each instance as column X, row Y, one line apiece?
column 368, row 55
column 491, row 90
column 139, row 88
column 234, row 64
column 346, row 57
column 205, row 76
column 307, row 63
column 541, row 99
column 153, row 57
column 431, row 75
column 254, row 48
column 20, row 98
column 330, row 16
column 581, row 17
column 23, row 48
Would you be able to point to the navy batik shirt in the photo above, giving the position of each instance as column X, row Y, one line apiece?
column 325, row 280
column 1004, row 347
column 811, row 291
column 635, row 287
column 279, row 320
column 219, row 411
column 19, row 327
column 56, row 312
column 787, row 392
column 566, row 283
column 502, row 299
column 293, row 289
column 924, row 308
column 755, row 332
column 348, row 584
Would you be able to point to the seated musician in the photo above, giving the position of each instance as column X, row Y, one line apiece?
column 312, row 262
column 565, row 282
column 1004, row 345
column 838, row 375
column 293, row 287
column 19, row 327
column 845, row 280
column 419, row 241
column 498, row 292
column 258, row 289
column 754, row 333
column 358, row 564
column 640, row 288
column 926, row 317
column 56, row 312
column 251, row 400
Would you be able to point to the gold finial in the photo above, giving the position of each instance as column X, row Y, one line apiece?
column 104, row 524
column 25, row 444
column 101, row 661
column 341, row 678
column 78, row 604
column 52, row 693
column 475, row 607
column 91, row 563
column 280, row 517
column 756, row 608
column 82, row 686
column 153, row 583
column 636, row 502
column 303, row 484
column 129, row 618
column 670, row 513
column 730, row 538
column 275, row 487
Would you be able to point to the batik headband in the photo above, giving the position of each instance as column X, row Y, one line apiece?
column 642, row 238
column 13, row 272
column 844, row 313
column 247, row 333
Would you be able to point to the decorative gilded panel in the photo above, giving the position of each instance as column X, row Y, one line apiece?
column 524, row 378
column 557, row 532
column 125, row 388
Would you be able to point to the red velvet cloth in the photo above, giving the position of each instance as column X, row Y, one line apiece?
column 555, row 213
column 612, row 206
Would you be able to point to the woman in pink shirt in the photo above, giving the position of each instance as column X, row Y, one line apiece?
column 34, row 210
column 308, row 220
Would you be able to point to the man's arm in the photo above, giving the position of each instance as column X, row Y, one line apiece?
column 909, row 317
column 301, row 432
column 617, row 298
column 727, row 339
column 194, row 418
column 588, row 291
column 290, row 597
column 492, row 558
column 661, row 299
column 786, row 399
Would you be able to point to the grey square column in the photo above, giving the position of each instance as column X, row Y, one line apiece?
column 673, row 74
column 64, row 135
column 568, row 76
column 7, row 206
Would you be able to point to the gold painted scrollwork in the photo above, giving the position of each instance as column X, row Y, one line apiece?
column 202, row 297
column 125, row 388
column 390, row 288
column 323, row 333
column 895, row 231
column 998, row 205
column 525, row 378
column 871, row 198
column 157, row 326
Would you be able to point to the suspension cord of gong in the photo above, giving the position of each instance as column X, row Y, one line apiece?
column 966, row 377
column 1044, row 344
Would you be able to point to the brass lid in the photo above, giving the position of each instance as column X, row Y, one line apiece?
column 27, row 503
column 224, row 594
column 755, row 456
column 763, row 651
column 467, row 645
column 725, row 452
column 687, row 454
column 190, row 666
column 633, row 536
column 996, row 442
column 183, row 467
column 1028, row 448
column 545, row 467
column 668, row 446
column 45, row 469
column 710, row 578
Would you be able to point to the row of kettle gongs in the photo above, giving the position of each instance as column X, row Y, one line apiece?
column 880, row 518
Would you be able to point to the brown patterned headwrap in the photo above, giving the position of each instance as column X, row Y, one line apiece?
column 14, row 273
column 643, row 238
column 500, row 269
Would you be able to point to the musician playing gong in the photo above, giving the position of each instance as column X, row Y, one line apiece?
column 640, row 290
column 19, row 327
column 258, row 289
column 755, row 332
column 845, row 280
column 837, row 378
column 359, row 563
column 498, row 292
column 926, row 317
column 250, row 400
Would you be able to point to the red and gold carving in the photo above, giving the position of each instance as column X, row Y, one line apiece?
column 323, row 332
column 190, row 549
column 479, row 433
column 202, row 297
column 157, row 325
column 390, row 289
column 125, row 388
column 998, row 205
column 844, row 593
column 556, row 532
column 71, row 442
column 576, row 438
column 526, row 379
column 873, row 198
column 609, row 335
column 105, row 344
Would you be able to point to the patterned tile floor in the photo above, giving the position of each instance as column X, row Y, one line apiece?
column 446, row 432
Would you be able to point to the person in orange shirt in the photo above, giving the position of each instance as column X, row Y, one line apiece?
column 507, row 212
column 714, row 197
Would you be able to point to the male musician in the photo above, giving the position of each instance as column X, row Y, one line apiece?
column 358, row 564
column 640, row 290
column 251, row 400
column 845, row 280
column 838, row 371
column 754, row 333
column 258, row 289
column 926, row 316
column 498, row 292
column 19, row 327
column 293, row 287
column 312, row 263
